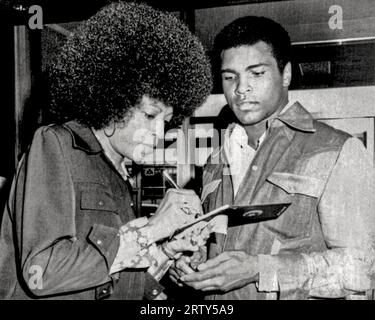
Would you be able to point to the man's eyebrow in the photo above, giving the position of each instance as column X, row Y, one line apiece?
column 263, row 64
column 252, row 66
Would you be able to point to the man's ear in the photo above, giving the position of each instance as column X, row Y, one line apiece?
column 287, row 75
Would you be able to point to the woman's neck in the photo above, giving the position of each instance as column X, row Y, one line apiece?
column 105, row 143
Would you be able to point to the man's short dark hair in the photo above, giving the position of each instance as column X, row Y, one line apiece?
column 251, row 29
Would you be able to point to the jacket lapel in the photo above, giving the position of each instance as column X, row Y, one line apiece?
column 268, row 155
column 282, row 131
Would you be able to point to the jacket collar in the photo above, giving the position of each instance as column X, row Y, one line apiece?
column 295, row 117
column 83, row 137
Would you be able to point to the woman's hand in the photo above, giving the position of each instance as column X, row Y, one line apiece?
column 178, row 207
column 187, row 242
column 190, row 240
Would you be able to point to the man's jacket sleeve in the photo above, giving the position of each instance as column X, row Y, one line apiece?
column 347, row 217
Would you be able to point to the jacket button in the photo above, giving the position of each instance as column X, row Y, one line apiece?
column 99, row 242
column 254, row 168
column 100, row 203
column 155, row 292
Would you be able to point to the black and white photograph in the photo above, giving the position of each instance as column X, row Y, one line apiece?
column 187, row 155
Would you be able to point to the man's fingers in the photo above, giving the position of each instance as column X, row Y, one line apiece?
column 200, row 276
column 183, row 266
column 176, row 273
column 205, row 285
column 175, row 279
column 213, row 262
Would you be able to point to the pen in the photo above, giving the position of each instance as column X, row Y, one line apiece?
column 170, row 180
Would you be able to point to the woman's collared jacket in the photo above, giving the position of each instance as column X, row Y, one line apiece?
column 59, row 233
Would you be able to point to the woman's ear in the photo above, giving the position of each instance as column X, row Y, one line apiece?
column 287, row 75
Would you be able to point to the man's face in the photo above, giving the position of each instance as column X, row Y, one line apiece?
column 252, row 83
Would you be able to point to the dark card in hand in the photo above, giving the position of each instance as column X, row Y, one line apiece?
column 239, row 215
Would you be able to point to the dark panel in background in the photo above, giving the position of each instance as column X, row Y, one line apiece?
column 7, row 129
column 76, row 10
column 31, row 112
column 16, row 11
column 7, row 100
column 333, row 65
column 327, row 65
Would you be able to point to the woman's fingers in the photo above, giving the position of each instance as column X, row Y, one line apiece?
column 182, row 245
column 178, row 207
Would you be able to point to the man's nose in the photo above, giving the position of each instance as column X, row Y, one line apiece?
column 243, row 86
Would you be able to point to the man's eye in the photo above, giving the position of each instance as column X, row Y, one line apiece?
column 257, row 74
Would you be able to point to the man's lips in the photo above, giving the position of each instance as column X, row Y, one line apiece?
column 246, row 105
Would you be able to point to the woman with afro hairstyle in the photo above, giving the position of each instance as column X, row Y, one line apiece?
column 68, row 230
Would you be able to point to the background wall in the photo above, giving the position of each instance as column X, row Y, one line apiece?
column 305, row 20
column 351, row 109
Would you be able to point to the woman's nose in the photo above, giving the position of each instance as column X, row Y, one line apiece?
column 159, row 129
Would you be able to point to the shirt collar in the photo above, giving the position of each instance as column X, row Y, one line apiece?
column 295, row 117
column 236, row 134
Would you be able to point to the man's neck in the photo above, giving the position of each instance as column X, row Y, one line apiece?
column 255, row 131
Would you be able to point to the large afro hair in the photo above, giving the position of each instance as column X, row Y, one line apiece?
column 123, row 52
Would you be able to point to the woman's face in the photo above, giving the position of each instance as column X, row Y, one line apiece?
column 137, row 137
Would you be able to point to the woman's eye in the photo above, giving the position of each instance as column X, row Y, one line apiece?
column 228, row 77
column 149, row 116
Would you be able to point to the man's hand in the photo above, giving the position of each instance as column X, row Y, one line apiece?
column 180, row 268
column 229, row 270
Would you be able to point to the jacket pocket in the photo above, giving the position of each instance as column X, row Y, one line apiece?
column 297, row 184
column 296, row 223
column 98, row 200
